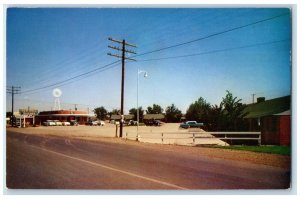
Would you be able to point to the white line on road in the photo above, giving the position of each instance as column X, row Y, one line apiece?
column 111, row 168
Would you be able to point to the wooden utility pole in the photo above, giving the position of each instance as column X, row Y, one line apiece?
column 13, row 90
column 123, row 57
column 253, row 98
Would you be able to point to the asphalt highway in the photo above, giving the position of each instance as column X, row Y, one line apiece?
column 48, row 162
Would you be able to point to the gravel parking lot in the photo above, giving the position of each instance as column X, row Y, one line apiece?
column 172, row 134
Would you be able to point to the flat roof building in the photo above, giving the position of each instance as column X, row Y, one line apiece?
column 64, row 116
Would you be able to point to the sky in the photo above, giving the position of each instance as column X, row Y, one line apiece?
column 45, row 46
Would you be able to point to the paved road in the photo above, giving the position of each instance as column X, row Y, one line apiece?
column 54, row 162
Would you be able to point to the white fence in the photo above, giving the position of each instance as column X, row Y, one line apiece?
column 226, row 137
column 191, row 137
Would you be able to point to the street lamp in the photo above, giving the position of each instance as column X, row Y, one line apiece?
column 137, row 100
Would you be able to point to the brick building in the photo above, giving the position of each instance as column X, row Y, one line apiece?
column 276, row 129
column 272, row 118
column 63, row 115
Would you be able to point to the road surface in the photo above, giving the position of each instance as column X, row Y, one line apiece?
column 49, row 162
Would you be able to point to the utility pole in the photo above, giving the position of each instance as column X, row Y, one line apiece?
column 253, row 97
column 123, row 57
column 13, row 90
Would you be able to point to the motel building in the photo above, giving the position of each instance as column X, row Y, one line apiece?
column 63, row 116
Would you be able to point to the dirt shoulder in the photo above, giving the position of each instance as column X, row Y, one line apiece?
column 226, row 154
column 274, row 160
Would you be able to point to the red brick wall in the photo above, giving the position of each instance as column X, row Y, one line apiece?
column 270, row 130
column 285, row 130
column 276, row 130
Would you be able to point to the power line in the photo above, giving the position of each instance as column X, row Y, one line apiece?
column 213, row 51
column 57, row 66
column 212, row 35
column 76, row 79
column 66, row 82
column 54, row 84
column 56, row 71
column 161, row 49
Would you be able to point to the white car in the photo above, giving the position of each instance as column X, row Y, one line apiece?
column 57, row 122
column 49, row 123
column 101, row 123
column 66, row 123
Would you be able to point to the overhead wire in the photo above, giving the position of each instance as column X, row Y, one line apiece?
column 69, row 59
column 213, row 51
column 211, row 35
column 54, row 72
column 161, row 49
column 66, row 80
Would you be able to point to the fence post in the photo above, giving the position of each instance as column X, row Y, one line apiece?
column 193, row 138
column 116, row 131
column 259, row 139
column 162, row 138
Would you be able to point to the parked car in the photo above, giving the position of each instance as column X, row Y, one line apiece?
column 66, row 123
column 156, row 123
column 57, row 122
column 49, row 123
column 101, row 123
column 115, row 122
column 153, row 123
column 191, row 124
column 92, row 123
column 74, row 123
column 132, row 123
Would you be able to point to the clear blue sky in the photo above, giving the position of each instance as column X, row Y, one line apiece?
column 45, row 46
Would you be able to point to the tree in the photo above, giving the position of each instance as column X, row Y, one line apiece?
column 233, row 109
column 173, row 114
column 114, row 112
column 216, row 118
column 199, row 111
column 133, row 111
column 155, row 109
column 100, row 112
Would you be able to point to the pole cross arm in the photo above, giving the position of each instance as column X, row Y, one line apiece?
column 129, row 59
column 119, row 49
column 121, row 42
column 114, row 55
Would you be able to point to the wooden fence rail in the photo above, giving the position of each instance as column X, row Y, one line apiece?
column 194, row 135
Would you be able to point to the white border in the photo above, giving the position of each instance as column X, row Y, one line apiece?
column 162, row 3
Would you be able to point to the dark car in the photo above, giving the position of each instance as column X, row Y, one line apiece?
column 156, row 123
column 153, row 123
column 74, row 123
